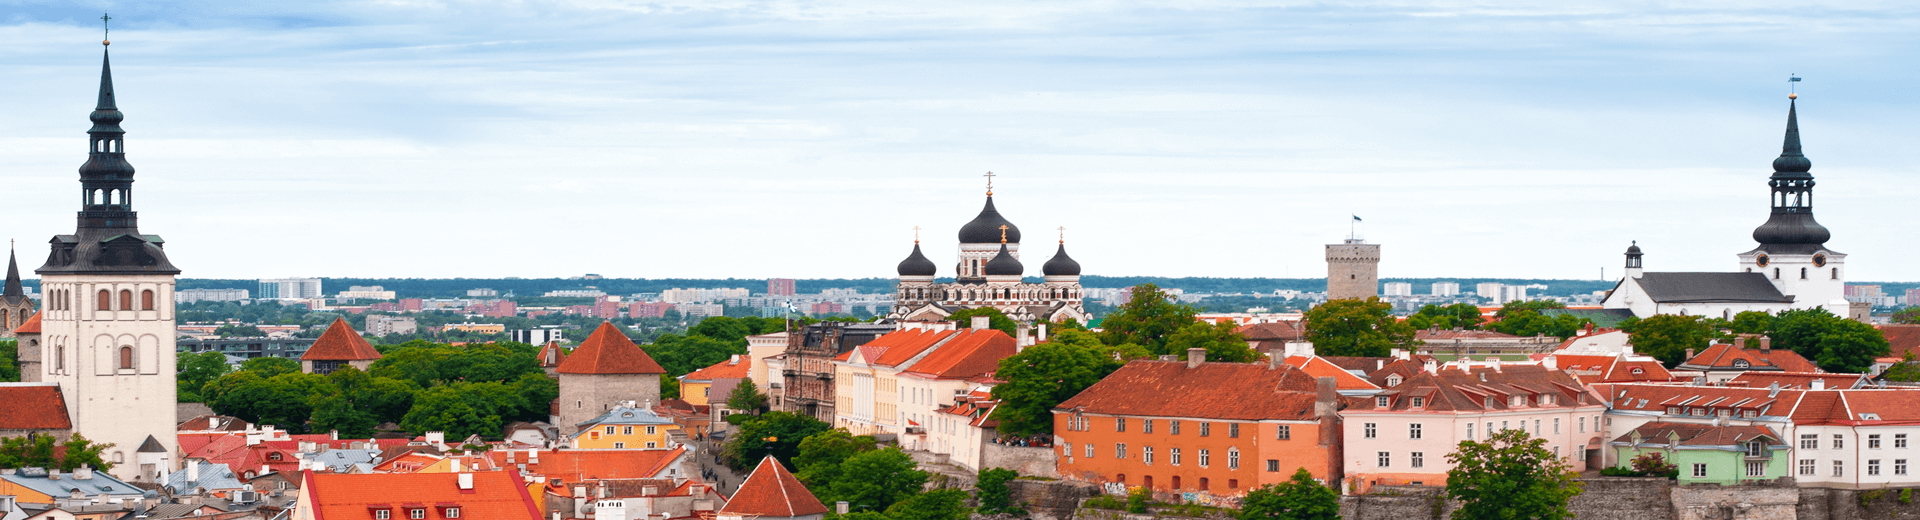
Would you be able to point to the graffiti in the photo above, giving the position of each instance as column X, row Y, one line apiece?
column 1114, row 488
column 1210, row 500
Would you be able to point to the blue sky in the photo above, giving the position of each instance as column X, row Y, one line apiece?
column 806, row 139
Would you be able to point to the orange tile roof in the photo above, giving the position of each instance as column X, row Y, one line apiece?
column 1484, row 389
column 1170, row 389
column 496, row 495
column 33, row 406
column 1722, row 356
column 971, row 354
column 1273, row 331
column 340, row 343
column 770, row 491
column 572, row 466
column 552, row 350
column 1320, row 367
column 609, row 351
column 1901, row 339
column 1798, row 380
column 206, row 445
column 1611, row 369
column 737, row 367
column 32, row 326
column 1658, row 398
column 902, row 345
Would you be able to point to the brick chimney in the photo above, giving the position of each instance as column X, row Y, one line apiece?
column 1689, row 354
column 1196, row 356
column 1275, row 358
column 1740, row 342
column 1327, row 398
column 1766, row 344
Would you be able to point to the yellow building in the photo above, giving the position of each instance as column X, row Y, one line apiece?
column 483, row 328
column 712, row 385
column 624, row 428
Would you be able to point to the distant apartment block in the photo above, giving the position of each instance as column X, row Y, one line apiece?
column 380, row 325
column 678, row 295
column 1863, row 291
column 823, row 308
column 1397, row 289
column 701, row 310
column 606, row 308
column 289, row 288
column 482, row 293
column 1913, row 295
column 247, row 348
column 1446, row 289
column 482, row 328
column 538, row 336
column 780, row 287
column 410, row 304
column 648, row 309
column 494, row 309
column 359, row 292
column 210, row 295
column 1872, row 294
column 575, row 293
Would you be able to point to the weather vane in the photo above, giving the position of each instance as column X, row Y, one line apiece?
column 1792, row 88
column 989, row 177
column 105, row 30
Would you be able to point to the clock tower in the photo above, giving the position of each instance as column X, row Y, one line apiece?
column 1792, row 252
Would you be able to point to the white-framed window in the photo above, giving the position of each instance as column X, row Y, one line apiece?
column 1806, row 467
column 1556, row 425
column 1119, row 424
column 1417, row 402
column 1757, row 449
column 1146, row 426
column 1873, row 441
column 1383, row 459
column 453, row 512
column 1699, row 470
column 1286, row 432
column 1206, row 457
column 382, row 514
column 1469, row 431
column 652, row 430
column 1536, row 427
column 1120, row 450
column 1518, row 400
column 1369, row 429
column 652, row 445
column 1756, row 468
column 1583, row 424
column 1233, row 430
column 1382, row 402
column 610, row 430
column 1839, row 468
column 1417, row 459
column 1233, row 458
column 626, row 430
column 1173, row 426
column 1809, row 441
column 1089, row 450
column 619, row 445
column 1173, row 456
column 1146, row 454
column 1206, row 428
column 1899, row 440
column 1899, row 466
column 1839, row 443
column 418, row 513
column 1413, row 431
column 1873, row 466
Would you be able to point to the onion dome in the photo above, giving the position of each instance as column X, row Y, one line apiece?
column 1004, row 264
column 985, row 229
column 1061, row 264
column 1791, row 227
column 917, row 264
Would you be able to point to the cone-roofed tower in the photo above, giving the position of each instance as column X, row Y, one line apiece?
column 1790, row 228
column 108, row 239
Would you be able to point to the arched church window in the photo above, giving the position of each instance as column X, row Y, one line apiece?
column 3, row 319
column 126, row 300
column 106, row 300
column 1803, row 273
column 1836, row 273
column 1776, row 273
column 126, row 357
column 146, row 300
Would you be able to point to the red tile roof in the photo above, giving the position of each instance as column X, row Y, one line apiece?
column 1724, row 355
column 214, row 423
column 496, row 495
column 1445, row 334
column 1709, row 399
column 1901, row 339
column 1484, row 389
column 1611, row 369
column 1243, row 391
column 245, row 458
column 976, row 408
column 552, row 351
column 1798, row 380
column 1694, row 434
column 737, row 367
column 971, row 354
column 33, row 406
column 32, row 326
column 901, row 346
column 609, row 351
column 1274, row 331
column 772, row 492
column 340, row 343
column 1321, row 367
column 572, row 466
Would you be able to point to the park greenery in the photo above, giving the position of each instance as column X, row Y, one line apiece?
column 1464, row 316
column 1355, row 327
column 44, row 451
column 1834, row 343
column 1511, row 476
column 877, row 482
column 1525, row 318
column 1299, row 498
column 9, row 360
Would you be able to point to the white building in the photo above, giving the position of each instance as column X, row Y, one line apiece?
column 290, row 288
column 677, row 295
column 1398, row 289
column 575, row 293
column 482, row 293
column 210, row 295
column 1446, row 289
column 381, row 325
column 358, row 292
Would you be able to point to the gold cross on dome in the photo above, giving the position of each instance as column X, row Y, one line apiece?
column 1063, row 234
column 989, row 177
column 916, row 234
column 1003, row 233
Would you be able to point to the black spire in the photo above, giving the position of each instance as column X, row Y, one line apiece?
column 13, row 293
column 1004, row 264
column 917, row 264
column 1791, row 227
column 108, row 239
column 985, row 228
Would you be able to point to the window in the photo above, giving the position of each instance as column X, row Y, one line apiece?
column 1518, row 400
column 1173, row 427
column 1899, row 440
column 1273, row 466
column 1383, row 459
column 1809, row 441
column 1873, row 466
column 1206, row 457
column 619, row 445
column 1503, row 426
column 1382, row 402
column 1756, row 468
column 126, row 357
column 1899, row 466
column 1089, row 451
column 1417, row 402
column 1146, row 454
column 1119, row 424
column 1206, row 428
column 1146, row 426
column 1536, row 427
column 1757, row 448
column 1838, row 442
column 1286, row 432
column 1699, row 470
column 382, row 514
column 1556, row 425
column 1803, row 273
column 652, row 430
column 419, row 513
column 609, row 430
column 1203, row 483
column 1233, row 458
column 1233, row 483
column 1174, row 456
column 453, row 512
column 1418, row 459
column 1673, row 410
column 1413, row 431
column 1806, row 467
column 1370, row 433
column 1120, row 451
column 146, row 300
column 1873, row 441
column 626, row 430
column 1839, row 468
column 1233, row 430
column 106, row 300
column 1836, row 274
column 1469, row 431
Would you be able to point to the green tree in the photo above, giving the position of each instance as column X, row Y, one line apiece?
column 818, row 462
column 995, row 319
column 1221, row 342
column 1834, row 343
column 82, row 452
column 463, row 409
column 196, row 370
column 346, row 407
column 995, row 497
column 1357, row 328
column 1148, row 319
column 268, row 367
column 1299, row 498
column 1908, row 316
column 682, row 354
column 746, row 398
column 772, row 433
column 1906, row 371
column 1510, row 477
column 239, row 331
column 874, row 480
column 1461, row 315
column 1751, row 322
column 1046, row 374
column 939, row 504
column 9, row 360
column 1667, row 337
column 46, row 451
column 537, row 392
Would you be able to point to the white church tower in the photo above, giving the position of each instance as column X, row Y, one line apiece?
column 1792, row 252
column 107, row 324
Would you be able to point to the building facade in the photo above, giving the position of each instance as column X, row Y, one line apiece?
column 1353, row 270
column 989, row 274
column 289, row 288
column 604, row 372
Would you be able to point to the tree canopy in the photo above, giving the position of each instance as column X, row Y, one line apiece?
column 1667, row 337
column 1835, row 343
column 1148, row 319
column 1460, row 315
column 1045, row 374
column 1220, row 341
column 995, row 319
column 1511, row 476
column 1357, row 328
column 1523, row 318
column 1299, row 498
column 746, row 398
column 773, row 433
column 45, row 451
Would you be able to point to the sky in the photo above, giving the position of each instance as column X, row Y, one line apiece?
column 807, row 139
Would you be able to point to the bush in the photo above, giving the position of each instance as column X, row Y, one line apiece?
column 1105, row 502
column 1137, row 500
column 1906, row 496
column 995, row 497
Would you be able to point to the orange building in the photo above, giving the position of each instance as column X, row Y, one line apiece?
column 1218, row 428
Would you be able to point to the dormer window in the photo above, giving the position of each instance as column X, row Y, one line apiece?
column 1638, row 371
column 1393, row 380
column 1741, row 363
column 1518, row 400
column 1673, row 410
column 273, row 456
column 417, row 513
column 1382, row 402
column 1757, row 448
column 1417, row 402
column 382, row 514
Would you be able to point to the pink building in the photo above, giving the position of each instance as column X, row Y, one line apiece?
column 826, row 308
column 648, row 309
column 606, row 309
column 780, row 287
column 410, row 304
column 1402, row 435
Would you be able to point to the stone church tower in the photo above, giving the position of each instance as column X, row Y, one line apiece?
column 107, row 330
column 1353, row 269
column 15, row 307
column 605, row 371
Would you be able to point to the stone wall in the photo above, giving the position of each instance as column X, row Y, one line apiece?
column 1031, row 462
column 1397, row 503
column 1051, row 499
column 1779, row 501
column 1613, row 498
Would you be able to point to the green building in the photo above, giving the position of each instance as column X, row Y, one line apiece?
column 1708, row 454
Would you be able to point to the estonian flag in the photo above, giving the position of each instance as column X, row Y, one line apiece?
column 1356, row 218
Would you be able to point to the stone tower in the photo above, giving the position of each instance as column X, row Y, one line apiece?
column 107, row 331
column 606, row 370
column 1353, row 269
column 15, row 307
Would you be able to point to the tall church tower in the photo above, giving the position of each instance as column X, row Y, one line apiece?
column 1353, row 268
column 107, row 324
column 1792, row 252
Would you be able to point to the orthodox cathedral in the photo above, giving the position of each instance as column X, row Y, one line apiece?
column 989, row 274
column 1790, row 269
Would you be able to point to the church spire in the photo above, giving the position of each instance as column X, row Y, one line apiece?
column 1791, row 227
column 13, row 292
column 108, row 238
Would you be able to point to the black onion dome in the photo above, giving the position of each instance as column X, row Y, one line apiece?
column 1791, row 160
column 1004, row 264
column 985, row 229
column 1061, row 264
column 1792, row 229
column 917, row 264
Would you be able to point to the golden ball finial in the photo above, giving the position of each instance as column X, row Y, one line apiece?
column 106, row 42
column 1793, row 96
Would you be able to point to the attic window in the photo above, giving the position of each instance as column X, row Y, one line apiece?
column 1869, row 417
column 1673, row 410
column 1382, row 401
column 1741, row 363
column 1417, row 402
column 1393, row 380
column 1750, row 414
column 1518, row 400
column 1638, row 371
column 382, row 514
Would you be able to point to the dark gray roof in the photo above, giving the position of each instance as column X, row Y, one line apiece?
column 1061, row 264
column 917, row 264
column 1710, row 287
column 1003, row 264
column 152, row 445
column 985, row 228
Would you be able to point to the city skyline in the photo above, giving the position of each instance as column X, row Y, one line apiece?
column 1214, row 140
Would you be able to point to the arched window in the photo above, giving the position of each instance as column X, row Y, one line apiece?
column 1836, row 273
column 126, row 300
column 1776, row 273
column 1803, row 273
column 1203, row 483
column 126, row 357
column 60, row 358
column 146, row 300
column 1176, row 483
column 106, row 300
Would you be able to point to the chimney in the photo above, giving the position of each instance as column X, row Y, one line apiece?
column 1300, row 349
column 1379, row 364
column 1041, row 334
column 840, row 507
column 1739, row 342
column 1275, row 358
column 1432, row 366
column 193, row 471
column 533, row 456
column 1196, row 356
column 1327, row 398
column 981, row 322
column 335, row 434
column 735, row 360
column 1020, row 332
column 1401, row 354
column 1689, row 354
column 1766, row 344
column 466, row 480
column 1818, row 384
column 84, row 472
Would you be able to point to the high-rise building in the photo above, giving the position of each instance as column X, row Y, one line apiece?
column 780, row 287
column 1353, row 268
column 289, row 288
column 108, row 327
column 1398, row 289
column 210, row 295
column 1446, row 289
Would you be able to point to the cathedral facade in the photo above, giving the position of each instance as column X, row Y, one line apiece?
column 988, row 273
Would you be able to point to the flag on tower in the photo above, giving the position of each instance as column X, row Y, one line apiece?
column 1356, row 218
